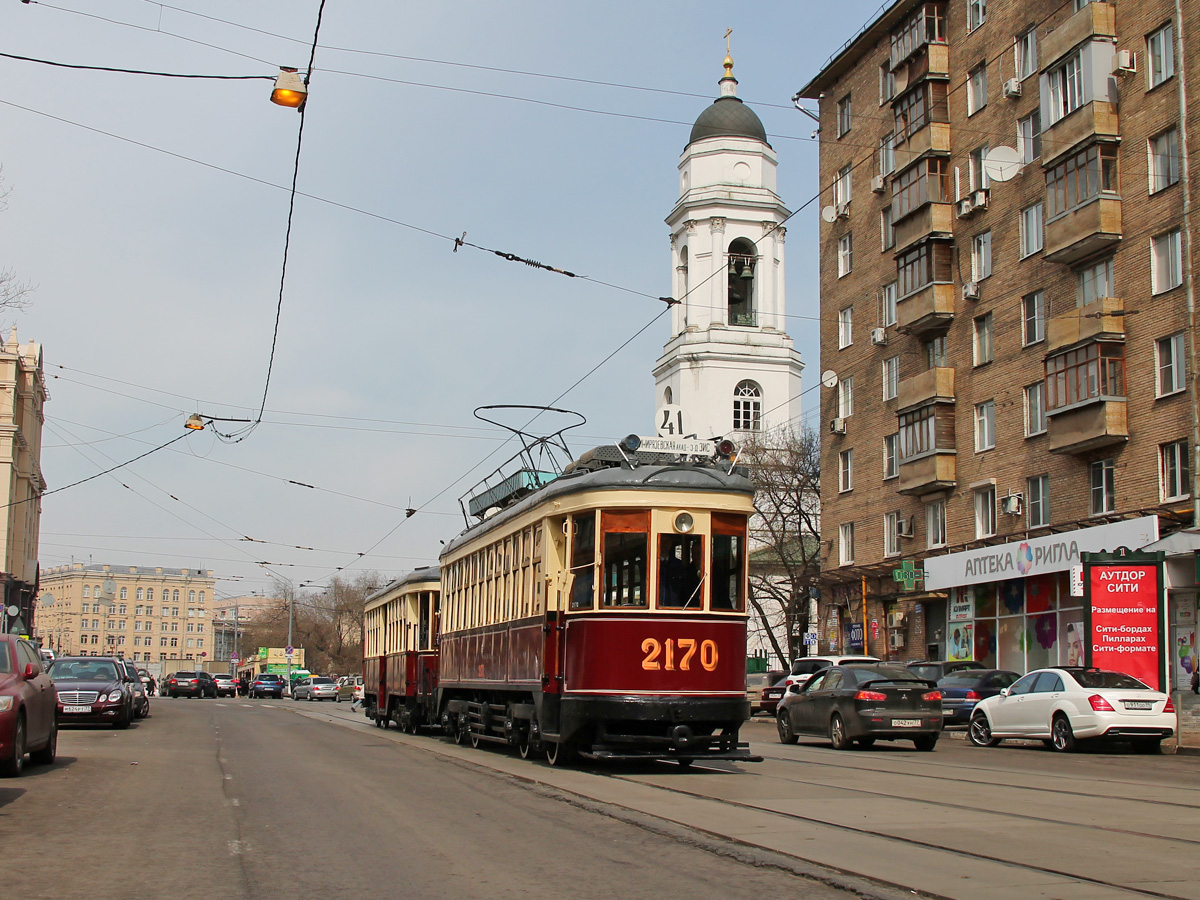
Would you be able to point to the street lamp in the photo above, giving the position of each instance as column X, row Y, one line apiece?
column 290, row 89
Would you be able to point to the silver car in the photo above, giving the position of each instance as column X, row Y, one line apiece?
column 317, row 687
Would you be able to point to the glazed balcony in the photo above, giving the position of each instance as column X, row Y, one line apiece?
column 1095, row 120
column 1088, row 426
column 926, row 474
column 928, row 309
column 936, row 384
column 1091, row 228
column 1094, row 21
column 930, row 219
column 1103, row 318
column 933, row 139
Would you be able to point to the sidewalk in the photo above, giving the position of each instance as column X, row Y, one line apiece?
column 1187, row 705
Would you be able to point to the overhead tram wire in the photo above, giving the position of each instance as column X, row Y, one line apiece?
column 62, row 65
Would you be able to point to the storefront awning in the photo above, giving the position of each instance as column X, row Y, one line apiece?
column 1181, row 543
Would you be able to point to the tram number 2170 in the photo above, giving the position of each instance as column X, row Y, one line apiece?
column 678, row 653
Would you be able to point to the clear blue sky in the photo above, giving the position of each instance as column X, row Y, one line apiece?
column 157, row 263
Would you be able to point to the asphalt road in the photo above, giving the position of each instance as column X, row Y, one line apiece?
column 265, row 799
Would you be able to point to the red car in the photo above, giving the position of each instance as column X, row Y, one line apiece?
column 27, row 707
column 93, row 690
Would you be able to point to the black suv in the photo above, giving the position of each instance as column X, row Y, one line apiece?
column 191, row 684
column 267, row 685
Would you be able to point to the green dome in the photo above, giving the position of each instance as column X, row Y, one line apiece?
column 728, row 117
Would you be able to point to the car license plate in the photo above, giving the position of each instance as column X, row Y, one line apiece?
column 947, row 712
column 77, row 709
column 906, row 723
column 1138, row 704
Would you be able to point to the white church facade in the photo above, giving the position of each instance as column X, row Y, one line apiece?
column 729, row 368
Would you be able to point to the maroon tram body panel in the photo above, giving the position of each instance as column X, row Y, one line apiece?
column 503, row 655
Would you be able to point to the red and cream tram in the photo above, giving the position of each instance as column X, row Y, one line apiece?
column 400, row 658
column 604, row 613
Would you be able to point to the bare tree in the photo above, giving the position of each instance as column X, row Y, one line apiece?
column 14, row 295
column 785, row 535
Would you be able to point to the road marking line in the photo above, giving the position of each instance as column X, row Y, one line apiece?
column 236, row 848
column 218, row 704
column 248, row 705
column 234, row 801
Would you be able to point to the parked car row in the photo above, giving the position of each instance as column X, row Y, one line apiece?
column 316, row 687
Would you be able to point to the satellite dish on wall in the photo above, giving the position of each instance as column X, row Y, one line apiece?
column 828, row 214
column 1001, row 163
column 829, row 378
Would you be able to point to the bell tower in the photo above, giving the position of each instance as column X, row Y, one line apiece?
column 729, row 367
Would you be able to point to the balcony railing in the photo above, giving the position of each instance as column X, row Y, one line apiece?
column 928, row 309
column 1092, row 121
column 930, row 219
column 1089, row 426
column 935, row 384
column 1095, row 20
column 1091, row 228
column 926, row 474
column 1100, row 319
column 744, row 318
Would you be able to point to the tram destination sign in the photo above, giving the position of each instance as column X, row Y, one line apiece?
column 678, row 446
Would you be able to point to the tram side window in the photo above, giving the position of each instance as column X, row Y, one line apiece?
column 583, row 561
column 423, row 638
column 680, row 571
column 626, row 542
column 729, row 563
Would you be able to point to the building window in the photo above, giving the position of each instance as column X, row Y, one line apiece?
column 124, row 593
column 87, row 591
column 747, row 407
column 149, row 593
column 918, row 433
column 846, row 543
column 912, row 111
column 927, row 182
column 976, row 13
column 985, row 512
column 174, row 642
column 1091, row 372
column 1104, row 499
column 1169, row 351
column 887, row 231
column 842, row 184
column 845, row 327
column 935, row 524
column 846, row 471
column 1066, row 87
column 978, row 174
column 982, row 344
column 1029, row 137
column 977, row 88
column 936, row 352
column 1080, row 178
column 846, row 397
column 891, row 534
column 891, row 458
column 1035, row 409
column 981, row 256
column 887, row 82
column 201, row 596
column 926, row 25
column 191, row 596
column 1173, row 470
column 175, row 598
column 926, row 264
column 123, row 610
column 1166, row 262
column 1164, row 159
column 162, row 642
column 1037, row 500
column 891, row 377
column 843, row 116
column 887, row 154
column 1093, row 282
column 1025, row 53
column 1031, row 230
column 1160, row 50
column 985, row 426
column 887, row 297
column 845, row 255
column 1033, row 318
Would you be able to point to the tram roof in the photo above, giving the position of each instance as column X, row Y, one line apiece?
column 682, row 477
column 416, row 576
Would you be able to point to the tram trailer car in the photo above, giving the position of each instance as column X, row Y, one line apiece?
column 603, row 614
column 400, row 658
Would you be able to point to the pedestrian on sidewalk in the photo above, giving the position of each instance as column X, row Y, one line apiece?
column 1195, row 680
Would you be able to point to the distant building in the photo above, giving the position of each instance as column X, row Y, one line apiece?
column 22, row 398
column 142, row 613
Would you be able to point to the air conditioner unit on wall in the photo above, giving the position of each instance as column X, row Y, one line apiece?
column 837, row 426
column 1012, row 87
column 878, row 184
column 896, row 619
column 896, row 640
column 878, row 336
column 1126, row 63
column 904, row 527
column 980, row 198
column 843, row 210
column 1011, row 505
column 971, row 290
column 964, row 208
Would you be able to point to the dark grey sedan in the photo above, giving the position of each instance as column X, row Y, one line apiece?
column 962, row 690
column 862, row 704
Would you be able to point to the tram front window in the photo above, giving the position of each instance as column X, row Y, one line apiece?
column 728, row 574
column 680, row 571
column 583, row 559
column 625, row 570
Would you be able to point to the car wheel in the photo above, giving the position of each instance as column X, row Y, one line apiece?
column 866, row 743
column 14, row 764
column 925, row 742
column 1061, row 734
column 337, row 699
column 980, row 731
column 123, row 720
column 310, row 698
column 45, row 756
column 784, row 724
column 837, row 734
column 1150, row 747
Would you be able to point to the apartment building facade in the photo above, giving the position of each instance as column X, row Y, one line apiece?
column 147, row 614
column 1008, row 334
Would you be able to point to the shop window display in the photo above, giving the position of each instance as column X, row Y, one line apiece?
column 1027, row 623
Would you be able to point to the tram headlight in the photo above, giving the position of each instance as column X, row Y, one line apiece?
column 684, row 523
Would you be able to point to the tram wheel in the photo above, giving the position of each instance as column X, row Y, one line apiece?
column 685, row 763
column 559, row 754
column 460, row 734
column 524, row 747
column 474, row 741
